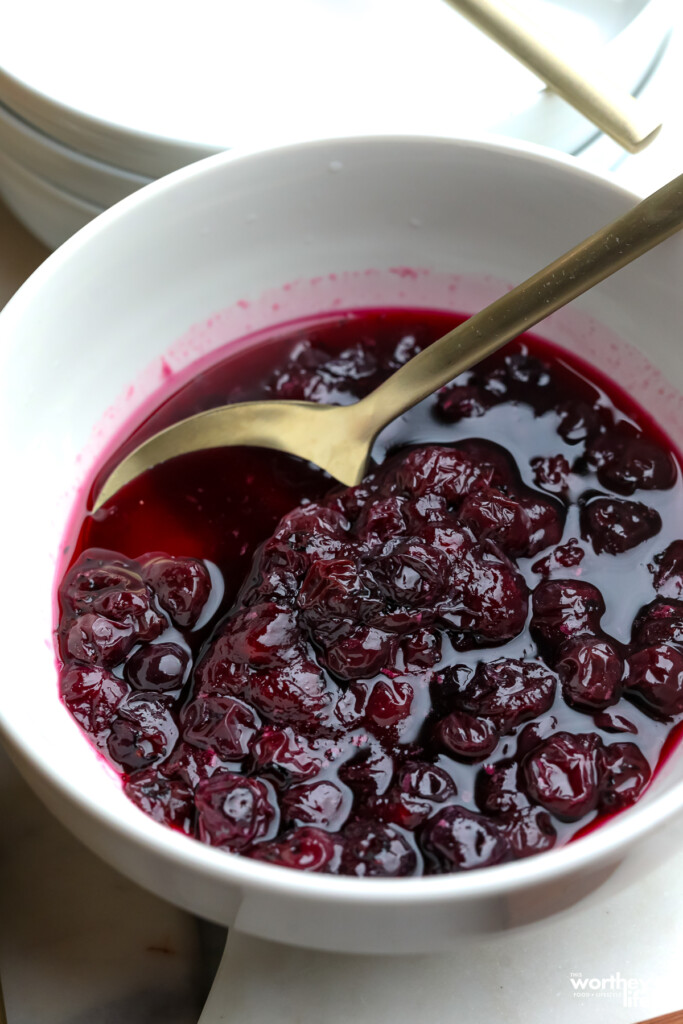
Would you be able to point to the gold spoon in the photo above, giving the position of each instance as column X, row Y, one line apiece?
column 339, row 438
column 578, row 81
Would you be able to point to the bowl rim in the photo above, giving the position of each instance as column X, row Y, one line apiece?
column 603, row 844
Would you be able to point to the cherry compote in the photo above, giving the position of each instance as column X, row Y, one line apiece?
column 471, row 657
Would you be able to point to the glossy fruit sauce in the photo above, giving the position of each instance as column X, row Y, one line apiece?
column 472, row 657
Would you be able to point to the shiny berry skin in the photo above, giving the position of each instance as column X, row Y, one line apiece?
column 389, row 704
column 160, row 667
column 260, row 636
column 305, row 849
column 333, row 590
column 490, row 513
column 654, row 680
column 591, row 671
column 190, row 764
column 528, row 831
column 464, row 737
column 223, row 724
column 92, row 695
column 563, row 775
column 668, row 571
column 324, row 804
column 446, row 472
column 287, row 754
column 143, row 732
column 169, row 802
column 361, row 654
column 497, row 789
column 660, row 622
column 614, row 525
column 182, row 586
column 418, row 791
column 463, row 401
column 509, row 691
column 235, row 811
column 456, row 839
column 625, row 774
column 578, row 421
column 377, row 850
column 96, row 640
column 551, row 473
column 369, row 773
column 626, row 463
column 563, row 609
column 412, row 575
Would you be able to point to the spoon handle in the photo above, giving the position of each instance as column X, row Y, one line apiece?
column 605, row 252
column 612, row 109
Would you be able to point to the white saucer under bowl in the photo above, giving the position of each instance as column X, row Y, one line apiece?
column 153, row 91
column 92, row 180
column 49, row 212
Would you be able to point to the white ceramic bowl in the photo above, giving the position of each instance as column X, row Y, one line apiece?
column 91, row 180
column 204, row 256
column 49, row 212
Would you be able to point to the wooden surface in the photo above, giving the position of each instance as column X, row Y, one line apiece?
column 20, row 254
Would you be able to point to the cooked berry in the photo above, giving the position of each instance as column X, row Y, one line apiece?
column 668, row 571
column 591, row 671
column 446, row 472
column 614, row 525
column 287, row 754
column 551, row 473
column 306, row 849
column 143, row 732
column 96, row 640
column 418, row 791
column 160, row 667
column 374, row 849
column 562, row 775
column 182, row 586
column 497, row 788
column 462, row 401
column 565, row 608
column 625, row 773
column 223, row 724
column 235, row 811
column 578, row 421
column 654, row 679
column 528, row 831
column 301, row 673
column 167, row 801
column 460, row 840
column 389, row 703
column 564, row 556
column 627, row 463
column 190, row 764
column 509, row 691
column 465, row 737
column 490, row 513
column 369, row 772
column 92, row 695
column 421, row 650
column 324, row 804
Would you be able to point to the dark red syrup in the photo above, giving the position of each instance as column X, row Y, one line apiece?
column 472, row 657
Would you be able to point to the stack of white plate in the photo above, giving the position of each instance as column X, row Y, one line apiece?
column 97, row 100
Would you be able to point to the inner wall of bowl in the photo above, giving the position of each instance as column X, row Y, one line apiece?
column 259, row 239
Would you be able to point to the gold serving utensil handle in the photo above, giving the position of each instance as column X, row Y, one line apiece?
column 339, row 438
column 584, row 86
